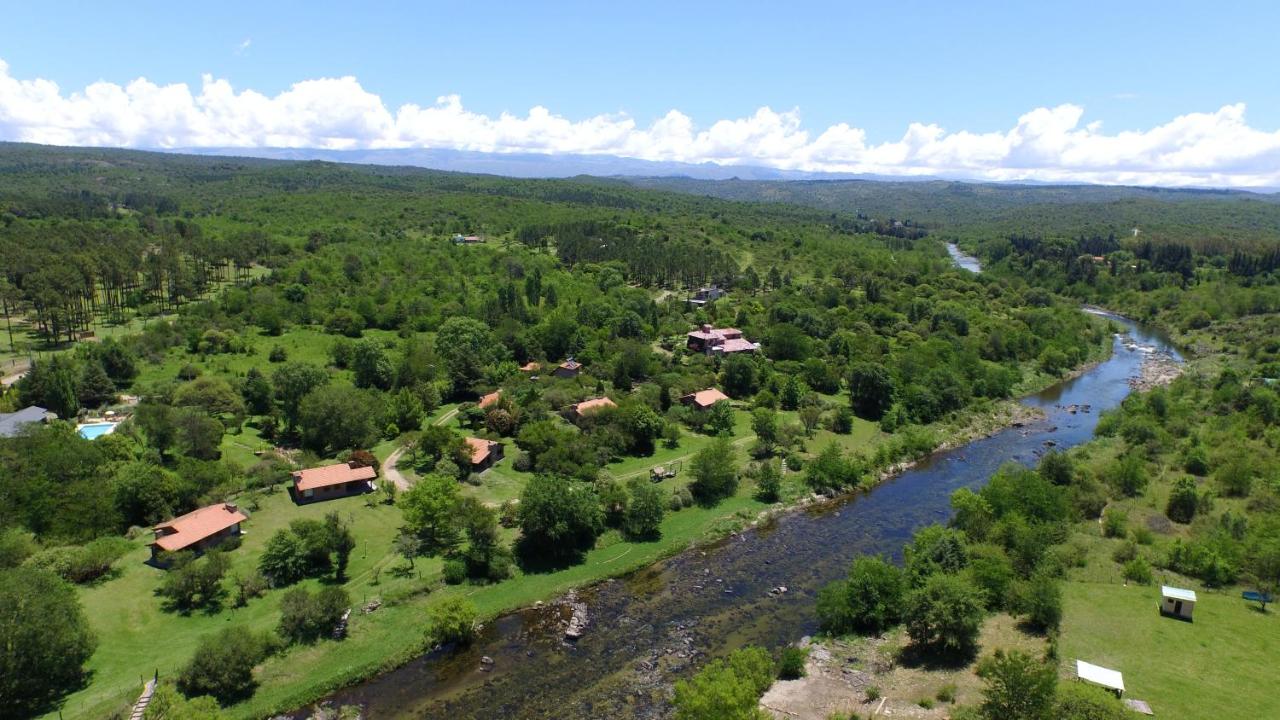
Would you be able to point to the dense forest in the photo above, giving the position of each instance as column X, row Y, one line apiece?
column 250, row 318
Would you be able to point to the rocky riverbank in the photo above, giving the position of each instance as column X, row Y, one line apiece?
column 1158, row 369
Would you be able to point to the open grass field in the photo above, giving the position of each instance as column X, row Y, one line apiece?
column 1222, row 665
column 136, row 637
column 300, row 344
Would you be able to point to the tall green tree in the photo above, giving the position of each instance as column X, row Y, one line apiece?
column 465, row 346
column 715, row 472
column 45, row 640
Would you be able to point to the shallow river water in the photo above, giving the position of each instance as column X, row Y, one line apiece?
column 650, row 627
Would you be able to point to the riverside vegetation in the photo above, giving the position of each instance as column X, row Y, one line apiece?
column 266, row 316
column 1180, row 487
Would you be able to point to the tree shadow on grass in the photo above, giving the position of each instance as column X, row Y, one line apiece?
column 925, row 657
column 54, row 700
column 535, row 560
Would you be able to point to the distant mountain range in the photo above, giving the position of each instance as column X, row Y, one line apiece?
column 537, row 165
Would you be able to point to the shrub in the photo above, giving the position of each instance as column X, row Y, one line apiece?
column 250, row 585
column 947, row 693
column 451, row 621
column 715, row 472
column 81, row 564
column 926, row 703
column 1183, row 500
column 305, row 617
column 222, row 665
column 1125, row 552
column 1138, row 571
column 522, row 463
column 791, row 663
column 944, row 614
column 870, row 599
column 1114, row 522
column 455, row 571
column 1017, row 686
column 729, row 688
column 872, row 693
column 768, row 482
column 1040, row 600
column 1077, row 701
column 194, row 582
column 16, row 545
column 643, row 518
column 278, row 354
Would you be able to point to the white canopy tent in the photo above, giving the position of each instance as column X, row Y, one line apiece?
column 1098, row 675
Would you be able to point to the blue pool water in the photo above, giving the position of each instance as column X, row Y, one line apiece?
column 96, row 430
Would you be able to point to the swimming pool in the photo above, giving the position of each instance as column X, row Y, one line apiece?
column 93, row 431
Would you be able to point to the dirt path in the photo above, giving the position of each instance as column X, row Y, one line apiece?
column 13, row 373
column 391, row 473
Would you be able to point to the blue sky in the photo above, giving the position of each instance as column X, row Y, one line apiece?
column 878, row 67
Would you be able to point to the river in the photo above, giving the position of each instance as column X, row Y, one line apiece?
column 657, row 624
column 958, row 256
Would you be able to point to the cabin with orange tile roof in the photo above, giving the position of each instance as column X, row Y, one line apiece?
column 703, row 399
column 484, row 453
column 196, row 531
column 332, row 481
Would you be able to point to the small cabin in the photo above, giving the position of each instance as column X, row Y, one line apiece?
column 1177, row 602
column 703, row 399
column 489, row 400
column 196, row 531
column 332, row 481
column 568, row 369
column 722, row 341
column 589, row 407
column 484, row 453
column 706, row 294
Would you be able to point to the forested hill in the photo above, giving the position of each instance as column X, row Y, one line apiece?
column 1048, row 210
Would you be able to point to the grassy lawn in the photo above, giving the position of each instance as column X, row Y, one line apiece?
column 300, row 344
column 137, row 637
column 1220, row 666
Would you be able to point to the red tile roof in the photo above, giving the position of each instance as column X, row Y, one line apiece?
column 531, row 367
column 187, row 530
column 592, row 405
column 480, row 449
column 570, row 364
column 491, row 398
column 732, row 345
column 331, row 475
column 705, row 398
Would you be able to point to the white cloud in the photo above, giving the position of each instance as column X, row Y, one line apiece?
column 1052, row 144
column 243, row 47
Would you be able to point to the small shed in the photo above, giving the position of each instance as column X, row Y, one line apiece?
column 1177, row 602
column 1103, row 677
column 568, row 369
